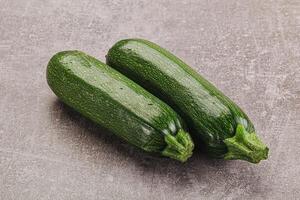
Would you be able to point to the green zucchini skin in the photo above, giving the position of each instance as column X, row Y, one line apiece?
column 110, row 99
column 212, row 118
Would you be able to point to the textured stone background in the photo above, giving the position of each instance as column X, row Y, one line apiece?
column 249, row 49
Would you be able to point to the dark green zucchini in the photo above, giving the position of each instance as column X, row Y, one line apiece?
column 212, row 117
column 105, row 96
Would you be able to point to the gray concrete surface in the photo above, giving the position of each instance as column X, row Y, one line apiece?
column 249, row 49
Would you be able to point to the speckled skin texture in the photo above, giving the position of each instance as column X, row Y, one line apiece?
column 248, row 49
column 116, row 103
column 210, row 116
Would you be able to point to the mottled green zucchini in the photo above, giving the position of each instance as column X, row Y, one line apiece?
column 212, row 117
column 105, row 96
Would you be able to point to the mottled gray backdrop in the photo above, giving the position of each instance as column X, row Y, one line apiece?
column 249, row 49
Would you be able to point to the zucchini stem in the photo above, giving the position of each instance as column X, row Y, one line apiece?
column 179, row 146
column 245, row 146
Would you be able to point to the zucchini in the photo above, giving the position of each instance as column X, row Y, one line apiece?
column 213, row 119
column 108, row 98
